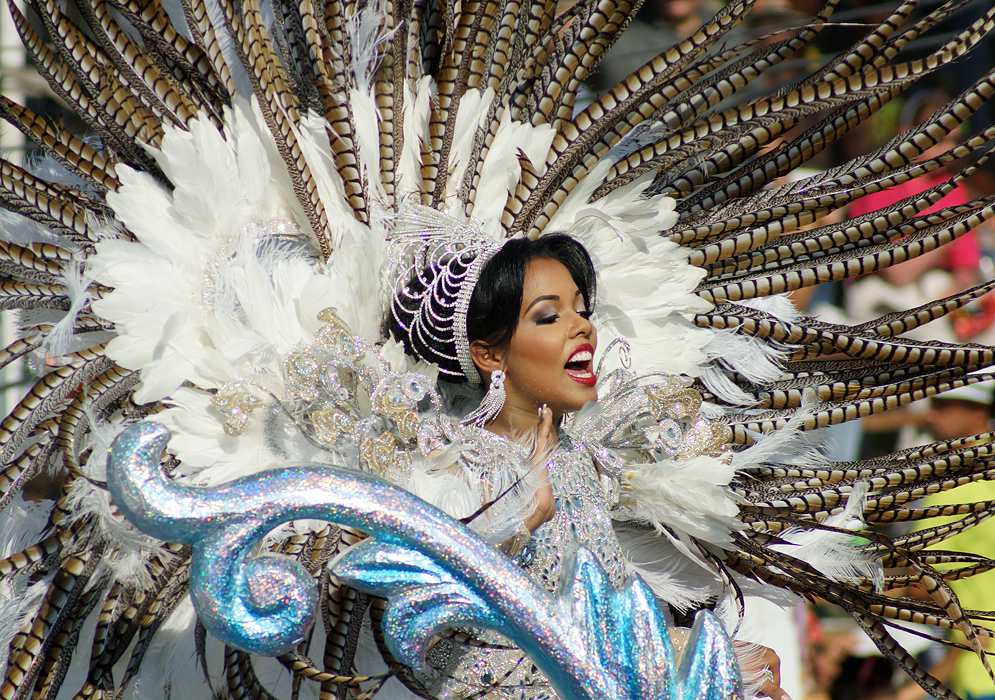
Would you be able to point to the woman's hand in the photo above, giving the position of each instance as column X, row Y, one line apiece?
column 545, row 503
column 768, row 663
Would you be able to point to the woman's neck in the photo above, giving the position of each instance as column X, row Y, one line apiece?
column 514, row 421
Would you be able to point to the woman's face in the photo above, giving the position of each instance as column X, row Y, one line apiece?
column 550, row 357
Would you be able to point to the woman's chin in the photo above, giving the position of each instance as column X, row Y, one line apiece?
column 582, row 400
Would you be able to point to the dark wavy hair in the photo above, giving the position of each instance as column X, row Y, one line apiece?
column 497, row 299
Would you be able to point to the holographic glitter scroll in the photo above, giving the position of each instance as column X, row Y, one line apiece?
column 591, row 640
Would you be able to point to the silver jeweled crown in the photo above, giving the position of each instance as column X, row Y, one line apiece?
column 433, row 265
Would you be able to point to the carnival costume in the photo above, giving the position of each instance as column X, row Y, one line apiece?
column 264, row 183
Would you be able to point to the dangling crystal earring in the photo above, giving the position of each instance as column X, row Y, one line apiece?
column 492, row 403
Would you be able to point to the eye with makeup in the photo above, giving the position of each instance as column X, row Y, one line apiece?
column 554, row 317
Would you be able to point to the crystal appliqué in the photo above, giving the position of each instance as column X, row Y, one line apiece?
column 584, row 501
column 235, row 401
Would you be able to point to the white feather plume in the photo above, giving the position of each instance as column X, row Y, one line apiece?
column 690, row 496
column 789, row 444
column 645, row 283
column 366, row 34
column 780, row 306
column 20, row 230
column 682, row 581
column 89, row 499
column 757, row 360
column 59, row 339
column 21, row 525
column 834, row 554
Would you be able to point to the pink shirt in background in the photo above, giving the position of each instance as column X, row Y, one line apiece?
column 965, row 252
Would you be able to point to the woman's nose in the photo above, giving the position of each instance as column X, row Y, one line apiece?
column 582, row 325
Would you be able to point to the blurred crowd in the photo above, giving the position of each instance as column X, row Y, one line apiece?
column 837, row 661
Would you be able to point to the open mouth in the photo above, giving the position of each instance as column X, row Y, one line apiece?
column 578, row 367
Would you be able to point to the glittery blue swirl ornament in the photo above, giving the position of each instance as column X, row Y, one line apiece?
column 265, row 605
column 591, row 641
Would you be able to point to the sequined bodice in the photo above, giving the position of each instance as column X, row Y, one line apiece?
column 583, row 505
column 583, row 515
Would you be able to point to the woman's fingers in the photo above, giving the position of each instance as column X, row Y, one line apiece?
column 769, row 664
column 544, row 437
column 772, row 682
column 545, row 503
column 774, row 691
column 545, row 508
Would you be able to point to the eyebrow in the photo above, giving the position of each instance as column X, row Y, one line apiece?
column 550, row 297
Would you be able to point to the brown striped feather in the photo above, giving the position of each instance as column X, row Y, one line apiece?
column 35, row 460
column 761, row 246
column 72, row 152
column 91, row 69
column 46, row 396
column 155, row 615
column 177, row 101
column 496, row 62
column 325, row 58
column 893, row 650
column 785, row 208
column 248, row 680
column 98, row 393
column 255, row 52
column 452, row 84
column 944, row 596
column 195, row 12
column 839, row 266
column 810, row 99
column 132, row 611
column 235, row 684
column 840, row 411
column 25, row 662
column 591, row 36
column 51, row 66
column 570, row 158
column 701, row 94
column 171, row 50
column 531, row 40
column 56, row 663
column 63, row 208
column 789, row 393
column 853, row 601
column 19, row 348
column 117, row 598
column 303, row 667
column 40, row 552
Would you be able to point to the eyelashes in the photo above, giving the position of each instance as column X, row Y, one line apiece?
column 553, row 318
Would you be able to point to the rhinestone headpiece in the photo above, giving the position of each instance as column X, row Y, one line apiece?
column 434, row 262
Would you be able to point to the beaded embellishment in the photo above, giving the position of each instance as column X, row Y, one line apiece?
column 434, row 262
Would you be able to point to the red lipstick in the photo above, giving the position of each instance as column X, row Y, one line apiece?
column 578, row 367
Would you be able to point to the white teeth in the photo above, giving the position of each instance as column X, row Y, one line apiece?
column 582, row 356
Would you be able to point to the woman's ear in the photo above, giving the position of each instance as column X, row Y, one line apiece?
column 486, row 358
